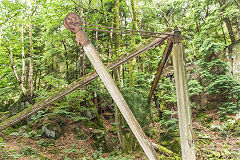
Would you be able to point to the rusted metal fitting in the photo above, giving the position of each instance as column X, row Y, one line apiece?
column 74, row 23
column 177, row 37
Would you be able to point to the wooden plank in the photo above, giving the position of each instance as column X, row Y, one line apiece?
column 167, row 52
column 115, row 93
column 73, row 23
column 79, row 83
column 183, row 102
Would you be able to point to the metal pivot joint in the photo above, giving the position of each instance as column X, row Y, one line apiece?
column 74, row 23
column 177, row 37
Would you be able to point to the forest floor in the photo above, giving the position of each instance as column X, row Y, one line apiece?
column 212, row 142
column 216, row 139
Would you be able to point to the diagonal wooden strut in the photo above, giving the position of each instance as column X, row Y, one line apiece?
column 72, row 22
column 167, row 52
column 83, row 81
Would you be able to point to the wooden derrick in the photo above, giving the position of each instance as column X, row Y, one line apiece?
column 74, row 23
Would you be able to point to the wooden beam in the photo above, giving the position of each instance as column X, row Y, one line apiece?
column 167, row 52
column 85, row 80
column 72, row 22
column 183, row 102
column 115, row 93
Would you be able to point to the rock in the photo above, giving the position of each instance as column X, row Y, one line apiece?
column 52, row 130
column 90, row 114
column 49, row 133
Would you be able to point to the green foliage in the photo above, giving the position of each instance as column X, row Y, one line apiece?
column 226, row 108
column 220, row 88
column 221, row 85
column 28, row 151
column 210, row 49
column 204, row 119
column 230, row 127
column 58, row 61
column 137, row 101
column 168, row 122
column 9, row 155
column 45, row 143
column 194, row 88
column 166, row 93
column 55, row 82
column 97, row 155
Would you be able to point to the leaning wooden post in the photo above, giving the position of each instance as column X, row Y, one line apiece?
column 74, row 23
column 183, row 102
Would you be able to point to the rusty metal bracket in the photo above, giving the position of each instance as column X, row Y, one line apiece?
column 74, row 23
column 177, row 37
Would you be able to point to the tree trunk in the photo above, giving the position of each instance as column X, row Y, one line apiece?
column 230, row 30
column 118, row 116
column 238, row 30
column 23, row 61
column 117, row 24
column 228, row 23
column 133, row 42
column 21, row 84
column 66, row 61
column 237, row 3
column 224, row 36
column 39, row 80
column 30, row 73
column 76, row 63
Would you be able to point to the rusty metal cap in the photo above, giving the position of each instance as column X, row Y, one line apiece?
column 73, row 22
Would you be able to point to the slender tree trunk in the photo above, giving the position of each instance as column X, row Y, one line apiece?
column 39, row 80
column 83, row 57
column 23, row 58
column 197, row 27
column 118, row 117
column 66, row 61
column 224, row 36
column 238, row 30
column 230, row 30
column 110, row 43
column 237, row 3
column 133, row 42
column 21, row 84
column 96, row 34
column 117, row 24
column 110, row 35
column 228, row 23
column 23, row 78
column 76, row 64
column 30, row 74
column 130, row 138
